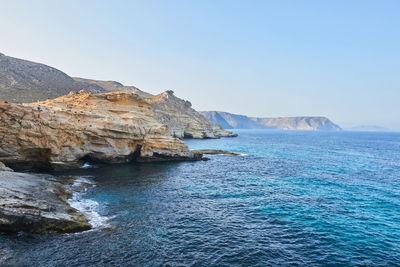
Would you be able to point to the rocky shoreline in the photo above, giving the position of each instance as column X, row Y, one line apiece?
column 36, row 203
column 108, row 122
column 81, row 127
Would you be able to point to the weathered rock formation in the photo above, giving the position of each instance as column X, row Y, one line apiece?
column 216, row 152
column 234, row 121
column 110, row 127
column 182, row 120
column 34, row 203
column 23, row 81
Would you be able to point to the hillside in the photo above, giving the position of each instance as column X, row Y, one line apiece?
column 25, row 81
column 234, row 121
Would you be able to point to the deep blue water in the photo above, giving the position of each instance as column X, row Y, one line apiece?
column 297, row 198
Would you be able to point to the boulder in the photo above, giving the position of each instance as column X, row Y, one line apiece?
column 37, row 203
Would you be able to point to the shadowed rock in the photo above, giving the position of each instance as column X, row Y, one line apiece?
column 35, row 203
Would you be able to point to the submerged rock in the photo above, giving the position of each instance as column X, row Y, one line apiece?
column 34, row 203
column 111, row 127
column 215, row 152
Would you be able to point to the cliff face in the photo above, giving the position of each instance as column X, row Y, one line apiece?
column 231, row 121
column 25, row 81
column 110, row 127
column 298, row 123
column 182, row 119
column 234, row 121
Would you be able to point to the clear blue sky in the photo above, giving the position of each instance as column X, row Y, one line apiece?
column 339, row 59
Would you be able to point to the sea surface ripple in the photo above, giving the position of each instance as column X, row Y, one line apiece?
column 296, row 198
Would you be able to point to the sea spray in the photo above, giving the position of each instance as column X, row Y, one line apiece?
column 88, row 207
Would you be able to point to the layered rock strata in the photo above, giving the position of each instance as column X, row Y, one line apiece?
column 34, row 203
column 110, row 127
column 182, row 120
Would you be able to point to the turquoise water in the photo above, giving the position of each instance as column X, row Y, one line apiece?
column 294, row 198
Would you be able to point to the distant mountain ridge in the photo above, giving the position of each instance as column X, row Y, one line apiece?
column 235, row 121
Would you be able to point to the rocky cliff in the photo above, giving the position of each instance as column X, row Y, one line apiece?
column 234, row 121
column 22, row 81
column 110, row 127
column 182, row 120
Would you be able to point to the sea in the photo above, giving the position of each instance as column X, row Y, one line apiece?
column 290, row 198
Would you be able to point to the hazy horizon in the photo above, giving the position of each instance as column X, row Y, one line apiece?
column 262, row 58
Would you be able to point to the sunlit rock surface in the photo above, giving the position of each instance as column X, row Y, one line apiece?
column 182, row 120
column 111, row 127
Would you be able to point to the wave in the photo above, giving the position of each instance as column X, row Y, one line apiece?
column 88, row 207
column 87, row 165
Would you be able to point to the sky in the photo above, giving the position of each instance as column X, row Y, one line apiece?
column 339, row 59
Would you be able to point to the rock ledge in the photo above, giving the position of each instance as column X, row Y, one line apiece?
column 34, row 203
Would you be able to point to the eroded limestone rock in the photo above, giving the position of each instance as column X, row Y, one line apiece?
column 111, row 127
column 182, row 120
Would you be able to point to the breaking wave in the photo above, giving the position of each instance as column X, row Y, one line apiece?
column 88, row 207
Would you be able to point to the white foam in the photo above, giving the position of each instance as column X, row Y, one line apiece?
column 87, row 165
column 89, row 208
column 243, row 155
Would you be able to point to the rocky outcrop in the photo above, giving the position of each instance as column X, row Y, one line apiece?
column 110, row 127
column 34, row 203
column 231, row 121
column 182, row 120
column 216, row 152
column 113, row 86
column 25, row 81
column 234, row 121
